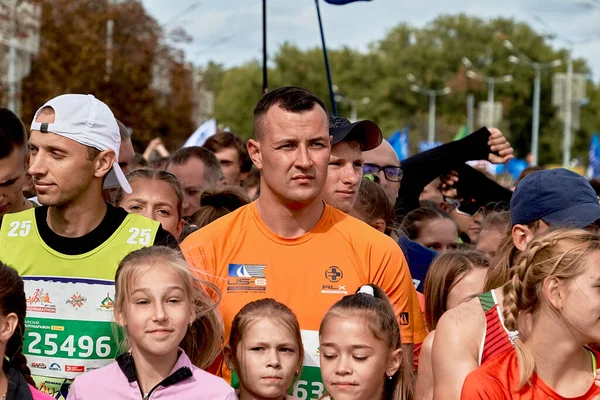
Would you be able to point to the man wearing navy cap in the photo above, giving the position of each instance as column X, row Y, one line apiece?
column 557, row 197
column 345, row 169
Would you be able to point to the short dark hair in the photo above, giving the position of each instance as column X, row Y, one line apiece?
column 291, row 98
column 213, row 172
column 227, row 140
column 12, row 133
column 218, row 202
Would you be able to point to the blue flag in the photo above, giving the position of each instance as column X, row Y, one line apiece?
column 424, row 145
column 342, row 2
column 399, row 142
column 593, row 170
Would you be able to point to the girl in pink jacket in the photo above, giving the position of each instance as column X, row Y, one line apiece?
column 156, row 299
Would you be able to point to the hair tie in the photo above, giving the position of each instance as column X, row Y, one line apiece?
column 366, row 289
column 369, row 177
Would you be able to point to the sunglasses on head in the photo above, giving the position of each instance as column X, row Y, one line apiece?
column 470, row 207
column 392, row 174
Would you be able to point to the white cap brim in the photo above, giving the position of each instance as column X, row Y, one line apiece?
column 116, row 178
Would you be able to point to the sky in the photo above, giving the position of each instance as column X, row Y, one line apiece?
column 230, row 31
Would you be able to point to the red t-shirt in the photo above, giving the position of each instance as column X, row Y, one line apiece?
column 498, row 379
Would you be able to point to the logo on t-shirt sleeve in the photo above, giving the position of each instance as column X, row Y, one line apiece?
column 246, row 278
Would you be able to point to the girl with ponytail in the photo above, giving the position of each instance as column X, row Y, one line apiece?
column 556, row 280
column 15, row 379
column 361, row 350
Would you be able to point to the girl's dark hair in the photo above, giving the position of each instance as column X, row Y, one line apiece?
column 12, row 300
column 381, row 320
column 216, row 203
column 374, row 203
column 415, row 220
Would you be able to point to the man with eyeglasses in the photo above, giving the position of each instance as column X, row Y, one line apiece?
column 384, row 163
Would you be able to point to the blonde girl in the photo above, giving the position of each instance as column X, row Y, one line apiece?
column 156, row 194
column 156, row 301
column 556, row 281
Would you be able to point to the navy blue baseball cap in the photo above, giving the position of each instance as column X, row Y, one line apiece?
column 558, row 197
column 367, row 133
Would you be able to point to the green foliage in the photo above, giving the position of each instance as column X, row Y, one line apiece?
column 433, row 55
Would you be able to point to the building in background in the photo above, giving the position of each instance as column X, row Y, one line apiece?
column 203, row 98
column 20, row 22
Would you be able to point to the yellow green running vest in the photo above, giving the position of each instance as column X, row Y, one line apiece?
column 68, row 328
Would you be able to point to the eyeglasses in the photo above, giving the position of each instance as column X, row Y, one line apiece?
column 392, row 174
column 470, row 207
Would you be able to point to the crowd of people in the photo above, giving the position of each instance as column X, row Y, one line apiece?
column 306, row 263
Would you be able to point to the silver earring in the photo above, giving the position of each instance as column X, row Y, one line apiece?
column 390, row 377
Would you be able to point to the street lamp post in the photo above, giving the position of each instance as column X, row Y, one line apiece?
column 353, row 103
column 491, row 82
column 432, row 93
column 538, row 67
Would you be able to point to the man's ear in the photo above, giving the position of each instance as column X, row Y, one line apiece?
column 254, row 152
column 521, row 236
column 103, row 163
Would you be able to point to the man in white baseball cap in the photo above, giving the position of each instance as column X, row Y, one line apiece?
column 68, row 250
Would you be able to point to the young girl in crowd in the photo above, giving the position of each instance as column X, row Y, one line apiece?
column 373, row 206
column 265, row 350
column 494, row 227
column 556, row 280
column 156, row 300
column 361, row 349
column 432, row 228
column 15, row 378
column 157, row 195
column 453, row 278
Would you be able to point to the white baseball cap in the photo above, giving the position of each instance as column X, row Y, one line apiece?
column 88, row 121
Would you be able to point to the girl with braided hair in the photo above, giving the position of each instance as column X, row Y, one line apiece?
column 557, row 281
column 15, row 379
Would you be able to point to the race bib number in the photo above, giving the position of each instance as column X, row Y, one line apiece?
column 310, row 384
column 68, row 329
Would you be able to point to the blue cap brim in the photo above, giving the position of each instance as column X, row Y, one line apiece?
column 577, row 216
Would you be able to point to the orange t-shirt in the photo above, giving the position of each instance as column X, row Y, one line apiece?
column 498, row 379
column 247, row 261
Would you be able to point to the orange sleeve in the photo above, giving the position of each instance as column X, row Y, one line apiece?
column 480, row 386
column 390, row 272
column 200, row 259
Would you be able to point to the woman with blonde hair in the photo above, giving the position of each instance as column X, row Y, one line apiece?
column 557, row 281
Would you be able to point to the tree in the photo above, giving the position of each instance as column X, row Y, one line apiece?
column 73, row 59
column 433, row 55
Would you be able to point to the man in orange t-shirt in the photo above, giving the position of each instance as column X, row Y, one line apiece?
column 290, row 245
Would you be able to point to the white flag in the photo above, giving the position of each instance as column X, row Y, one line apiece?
column 205, row 131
